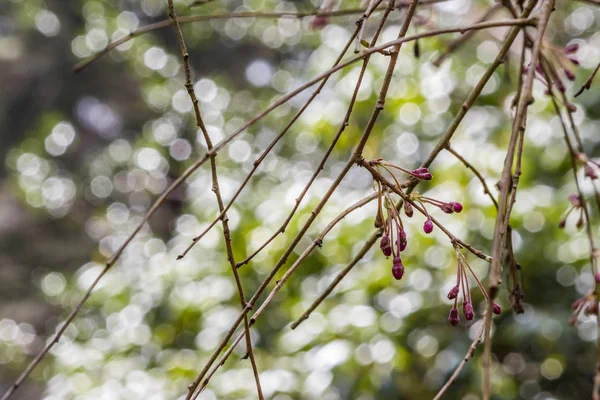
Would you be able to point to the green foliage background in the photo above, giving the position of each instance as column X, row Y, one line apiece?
column 97, row 148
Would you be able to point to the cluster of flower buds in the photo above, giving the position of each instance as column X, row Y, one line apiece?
column 589, row 166
column 576, row 204
column 558, row 59
column 394, row 239
column 462, row 286
column 588, row 305
column 449, row 208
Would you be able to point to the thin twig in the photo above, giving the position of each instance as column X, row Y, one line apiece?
column 264, row 154
column 226, row 15
column 357, row 154
column 375, row 49
column 215, row 180
column 445, row 139
column 224, row 142
column 461, row 365
column 377, row 176
column 459, row 41
column 588, row 83
column 475, row 171
column 316, row 243
column 505, row 186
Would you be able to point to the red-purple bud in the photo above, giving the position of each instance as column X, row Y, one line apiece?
column 453, row 317
column 575, row 200
column 408, row 209
column 589, row 172
column 597, row 278
column 319, row 22
column 573, row 320
column 447, row 208
column 453, row 293
column 560, row 86
column 456, row 207
column 569, row 74
column 428, row 226
column 571, row 107
column 573, row 60
column 562, row 223
column 422, row 173
column 496, row 309
column 397, row 268
column 402, row 242
column 571, row 48
column 468, row 310
column 538, row 69
column 385, row 246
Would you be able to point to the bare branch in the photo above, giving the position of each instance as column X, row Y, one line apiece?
column 500, row 230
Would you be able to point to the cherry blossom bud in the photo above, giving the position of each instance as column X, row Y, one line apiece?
column 569, row 74
column 397, row 268
column 589, row 172
column 496, row 309
column 447, row 208
column 571, row 107
column 408, row 209
column 402, row 242
column 562, row 223
column 597, row 278
column 573, row 60
column 468, row 310
column 575, row 200
column 453, row 317
column 456, row 207
column 385, row 246
column 428, row 226
column 319, row 22
column 571, row 48
column 453, row 293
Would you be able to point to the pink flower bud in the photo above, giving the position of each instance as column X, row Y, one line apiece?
column 385, row 246
column 453, row 293
column 318, row 22
column 397, row 268
column 571, row 48
column 428, row 226
column 447, row 208
column 575, row 200
column 589, row 172
column 402, row 242
column 569, row 74
column 453, row 317
column 496, row 309
column 597, row 278
column 408, row 209
column 456, row 207
column 468, row 310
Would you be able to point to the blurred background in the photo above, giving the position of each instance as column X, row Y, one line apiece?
column 84, row 156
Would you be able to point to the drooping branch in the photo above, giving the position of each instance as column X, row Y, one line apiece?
column 501, row 227
column 80, row 66
column 216, row 189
